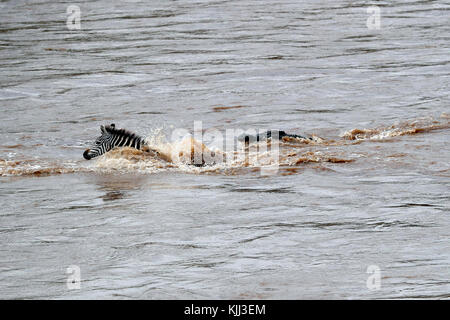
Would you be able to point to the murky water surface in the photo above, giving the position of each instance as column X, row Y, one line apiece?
column 372, row 190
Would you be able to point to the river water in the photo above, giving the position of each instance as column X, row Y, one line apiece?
column 361, row 212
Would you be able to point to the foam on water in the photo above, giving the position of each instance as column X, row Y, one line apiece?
column 183, row 154
column 399, row 129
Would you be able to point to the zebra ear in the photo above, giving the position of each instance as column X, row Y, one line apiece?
column 113, row 125
column 102, row 129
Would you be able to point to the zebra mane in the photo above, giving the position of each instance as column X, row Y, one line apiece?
column 111, row 129
column 111, row 138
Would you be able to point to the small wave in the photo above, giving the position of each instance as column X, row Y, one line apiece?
column 403, row 128
column 34, row 168
column 223, row 108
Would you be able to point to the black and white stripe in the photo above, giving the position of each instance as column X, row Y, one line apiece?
column 111, row 138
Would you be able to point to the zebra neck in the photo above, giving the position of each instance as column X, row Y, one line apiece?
column 129, row 140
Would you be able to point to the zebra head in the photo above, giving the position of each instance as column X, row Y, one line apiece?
column 111, row 138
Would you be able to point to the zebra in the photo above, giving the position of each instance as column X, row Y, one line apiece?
column 111, row 138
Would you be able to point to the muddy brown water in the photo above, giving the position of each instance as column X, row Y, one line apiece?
column 373, row 191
